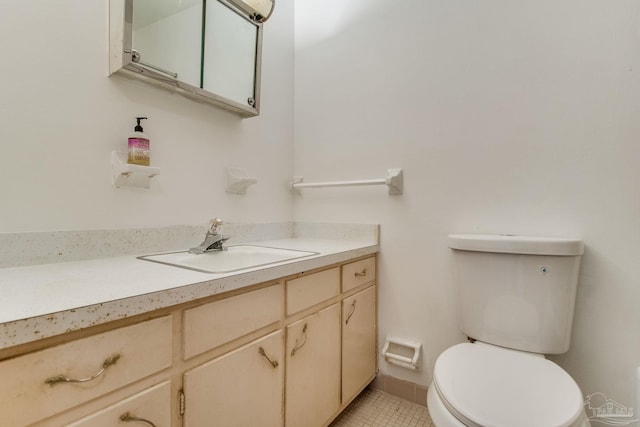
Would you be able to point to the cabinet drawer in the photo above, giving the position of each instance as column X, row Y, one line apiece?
column 152, row 405
column 358, row 273
column 307, row 291
column 104, row 362
column 211, row 325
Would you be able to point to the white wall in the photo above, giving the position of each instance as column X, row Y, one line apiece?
column 507, row 117
column 61, row 116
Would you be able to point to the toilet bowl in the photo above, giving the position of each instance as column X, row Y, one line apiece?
column 478, row 385
column 516, row 298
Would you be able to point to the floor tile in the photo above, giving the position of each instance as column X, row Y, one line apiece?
column 375, row 408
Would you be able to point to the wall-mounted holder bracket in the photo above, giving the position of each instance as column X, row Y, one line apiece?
column 237, row 181
column 402, row 352
column 394, row 180
column 126, row 174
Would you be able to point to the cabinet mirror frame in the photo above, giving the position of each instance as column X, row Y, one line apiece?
column 121, row 60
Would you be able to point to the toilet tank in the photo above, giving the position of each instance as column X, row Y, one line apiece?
column 516, row 291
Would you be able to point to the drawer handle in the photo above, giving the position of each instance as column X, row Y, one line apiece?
column 109, row 361
column 304, row 341
column 362, row 273
column 353, row 310
column 274, row 363
column 128, row 418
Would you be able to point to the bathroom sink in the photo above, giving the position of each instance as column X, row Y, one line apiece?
column 237, row 257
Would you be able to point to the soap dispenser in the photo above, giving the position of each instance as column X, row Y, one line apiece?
column 139, row 150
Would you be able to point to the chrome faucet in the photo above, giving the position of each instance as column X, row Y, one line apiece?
column 213, row 240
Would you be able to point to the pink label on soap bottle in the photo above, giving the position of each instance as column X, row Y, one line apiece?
column 138, row 151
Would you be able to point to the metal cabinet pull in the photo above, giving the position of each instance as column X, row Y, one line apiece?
column 304, row 341
column 274, row 363
column 128, row 418
column 361, row 273
column 109, row 361
column 353, row 310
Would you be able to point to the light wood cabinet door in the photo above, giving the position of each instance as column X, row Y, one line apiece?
column 313, row 369
column 358, row 342
column 239, row 389
column 149, row 407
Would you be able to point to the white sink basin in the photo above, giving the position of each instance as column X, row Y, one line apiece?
column 234, row 258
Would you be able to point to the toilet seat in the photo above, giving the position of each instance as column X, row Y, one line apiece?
column 485, row 385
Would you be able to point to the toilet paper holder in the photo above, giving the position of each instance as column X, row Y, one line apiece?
column 402, row 352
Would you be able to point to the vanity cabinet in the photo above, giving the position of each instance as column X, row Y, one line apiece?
column 292, row 352
column 239, row 389
column 313, row 368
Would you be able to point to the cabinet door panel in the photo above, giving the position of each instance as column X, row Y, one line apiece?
column 239, row 389
column 358, row 342
column 153, row 405
column 313, row 368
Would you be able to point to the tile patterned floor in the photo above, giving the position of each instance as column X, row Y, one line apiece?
column 375, row 408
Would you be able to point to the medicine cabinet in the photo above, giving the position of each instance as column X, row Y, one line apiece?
column 207, row 50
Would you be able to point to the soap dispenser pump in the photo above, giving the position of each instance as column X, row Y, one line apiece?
column 139, row 149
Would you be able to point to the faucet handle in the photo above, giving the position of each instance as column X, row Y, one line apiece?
column 215, row 225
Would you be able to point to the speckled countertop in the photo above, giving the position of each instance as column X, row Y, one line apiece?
column 40, row 301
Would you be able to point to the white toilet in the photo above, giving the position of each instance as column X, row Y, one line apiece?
column 517, row 297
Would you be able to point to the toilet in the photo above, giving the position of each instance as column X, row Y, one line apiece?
column 516, row 299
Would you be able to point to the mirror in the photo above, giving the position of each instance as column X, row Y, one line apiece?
column 208, row 50
column 230, row 61
column 166, row 36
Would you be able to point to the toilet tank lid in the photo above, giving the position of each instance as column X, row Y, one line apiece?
column 513, row 244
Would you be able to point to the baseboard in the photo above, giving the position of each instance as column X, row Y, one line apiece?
column 404, row 389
